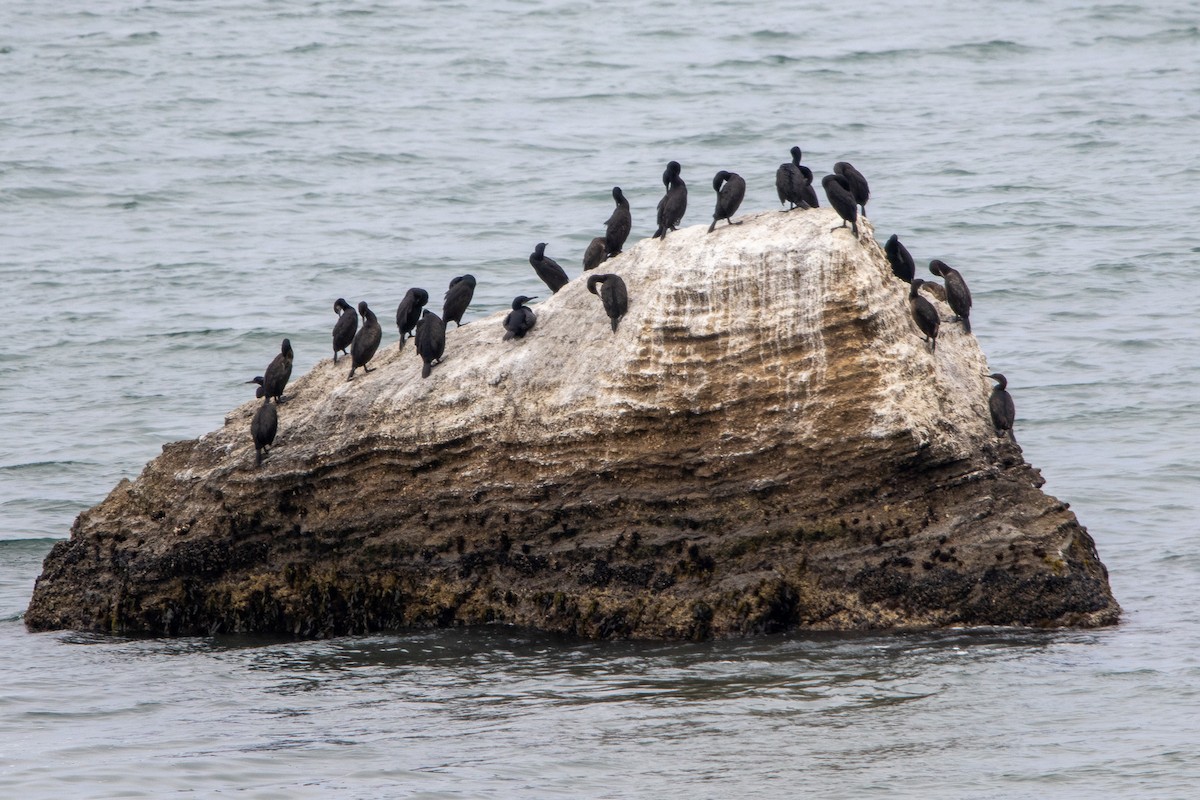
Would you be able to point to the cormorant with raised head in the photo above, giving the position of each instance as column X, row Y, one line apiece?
column 858, row 184
column 344, row 328
column 263, row 427
column 278, row 372
column 595, row 254
column 903, row 266
column 431, row 340
column 366, row 341
column 547, row 268
column 408, row 313
column 458, row 297
column 730, row 188
column 618, row 225
column 674, row 203
column 957, row 293
column 1001, row 405
column 923, row 313
column 613, row 295
column 520, row 320
column 837, row 189
column 790, row 182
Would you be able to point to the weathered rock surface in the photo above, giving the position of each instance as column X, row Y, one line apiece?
column 765, row 444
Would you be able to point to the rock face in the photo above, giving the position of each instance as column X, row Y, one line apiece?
column 765, row 444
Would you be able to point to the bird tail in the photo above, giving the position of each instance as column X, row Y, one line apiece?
column 508, row 335
column 615, row 320
column 258, row 457
column 425, row 370
column 966, row 321
column 714, row 224
column 660, row 233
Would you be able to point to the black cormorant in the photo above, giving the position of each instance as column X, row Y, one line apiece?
column 547, row 268
column 366, row 341
column 837, row 189
column 923, row 313
column 613, row 294
column 595, row 254
column 263, row 428
column 520, row 320
column 458, row 297
column 617, row 226
column 278, row 372
column 730, row 188
column 1004, row 411
column 858, row 184
column 903, row 266
column 408, row 313
column 431, row 340
column 957, row 293
column 674, row 203
column 344, row 328
column 790, row 183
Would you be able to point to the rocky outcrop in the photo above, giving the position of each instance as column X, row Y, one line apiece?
column 765, row 444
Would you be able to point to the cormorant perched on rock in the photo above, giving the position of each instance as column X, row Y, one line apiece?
column 618, row 225
column 431, row 340
column 1004, row 411
column 790, row 183
column 730, row 188
column 408, row 313
column 858, row 184
column 520, row 320
column 674, row 203
column 837, row 189
column 344, row 328
column 547, row 268
column 278, row 372
column 458, row 297
column 263, row 427
column 923, row 313
column 366, row 341
column 957, row 293
column 613, row 294
column 595, row 254
column 903, row 266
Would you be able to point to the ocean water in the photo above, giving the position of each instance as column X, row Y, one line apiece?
column 184, row 184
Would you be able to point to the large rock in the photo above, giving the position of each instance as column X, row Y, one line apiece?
column 765, row 444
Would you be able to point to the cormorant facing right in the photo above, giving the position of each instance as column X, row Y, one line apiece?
column 858, row 184
column 366, row 341
column 613, row 295
column 408, row 313
column 596, row 253
column 618, row 225
column 431, row 340
column 790, row 182
column 1001, row 405
column 458, row 297
column 547, row 268
column 344, row 328
column 903, row 266
column 520, row 320
column 729, row 196
column 923, row 313
column 263, row 428
column 674, row 203
column 957, row 293
column 837, row 189
column 278, row 372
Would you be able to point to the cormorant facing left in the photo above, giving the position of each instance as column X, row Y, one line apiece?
column 366, row 341
column 837, row 189
column 613, row 295
column 674, row 203
column 278, row 372
column 789, row 182
column 263, row 428
column 520, row 320
column 903, row 266
column 957, row 293
column 344, row 328
column 858, row 184
column 547, row 268
column 1000, row 404
column 729, row 196
column 595, row 254
column 408, row 313
column 431, row 340
column 617, row 226
column 923, row 313
column 458, row 297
